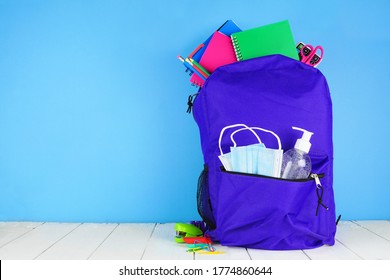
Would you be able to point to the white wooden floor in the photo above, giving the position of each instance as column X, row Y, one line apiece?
column 59, row 241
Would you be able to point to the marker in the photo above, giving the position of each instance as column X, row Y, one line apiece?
column 190, row 66
column 180, row 58
column 197, row 68
column 211, row 253
column 200, row 67
column 193, row 69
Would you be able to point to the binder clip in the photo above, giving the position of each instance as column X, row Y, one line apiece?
column 199, row 243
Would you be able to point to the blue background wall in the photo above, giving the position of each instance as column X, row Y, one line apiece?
column 92, row 104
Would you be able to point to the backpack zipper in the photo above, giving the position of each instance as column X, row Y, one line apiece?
column 312, row 176
column 320, row 193
column 316, row 178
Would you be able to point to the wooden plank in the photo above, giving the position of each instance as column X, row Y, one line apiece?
column 10, row 231
column 381, row 228
column 362, row 242
column 162, row 246
column 354, row 240
column 79, row 244
column 228, row 253
column 126, row 242
column 32, row 244
column 257, row 254
column 336, row 252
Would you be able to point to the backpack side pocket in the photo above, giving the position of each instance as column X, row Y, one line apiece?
column 203, row 199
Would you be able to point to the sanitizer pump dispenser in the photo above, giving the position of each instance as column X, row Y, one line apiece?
column 296, row 162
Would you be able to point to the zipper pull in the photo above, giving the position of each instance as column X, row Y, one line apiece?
column 190, row 102
column 317, row 179
column 319, row 191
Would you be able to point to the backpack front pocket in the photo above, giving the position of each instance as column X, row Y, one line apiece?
column 272, row 213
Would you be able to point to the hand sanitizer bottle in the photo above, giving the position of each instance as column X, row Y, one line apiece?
column 296, row 162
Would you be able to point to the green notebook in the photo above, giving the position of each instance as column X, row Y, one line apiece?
column 270, row 39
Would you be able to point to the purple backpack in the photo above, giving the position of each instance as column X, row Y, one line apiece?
column 254, row 211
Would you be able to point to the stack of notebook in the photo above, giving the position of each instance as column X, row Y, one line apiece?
column 215, row 51
column 229, row 44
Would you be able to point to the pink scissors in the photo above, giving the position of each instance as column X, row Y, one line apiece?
column 309, row 55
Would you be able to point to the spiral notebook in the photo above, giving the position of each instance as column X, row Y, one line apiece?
column 219, row 52
column 228, row 28
column 196, row 80
column 270, row 39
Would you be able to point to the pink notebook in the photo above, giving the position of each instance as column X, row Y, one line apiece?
column 219, row 52
column 196, row 80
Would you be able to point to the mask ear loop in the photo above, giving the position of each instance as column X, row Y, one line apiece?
column 241, row 129
column 256, row 128
column 231, row 126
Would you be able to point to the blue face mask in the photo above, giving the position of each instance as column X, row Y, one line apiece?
column 226, row 161
column 245, row 159
column 226, row 158
column 255, row 158
column 269, row 162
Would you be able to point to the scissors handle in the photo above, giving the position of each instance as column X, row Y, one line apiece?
column 309, row 55
column 316, row 58
column 306, row 53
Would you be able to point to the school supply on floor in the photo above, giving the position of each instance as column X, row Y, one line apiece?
column 194, row 240
column 309, row 54
column 186, row 230
column 296, row 162
column 199, row 243
column 197, row 247
column 218, row 52
column 211, row 253
column 257, row 211
column 270, row 39
column 197, row 240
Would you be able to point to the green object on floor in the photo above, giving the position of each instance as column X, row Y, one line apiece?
column 186, row 230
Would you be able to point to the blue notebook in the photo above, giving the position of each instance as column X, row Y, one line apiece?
column 228, row 28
